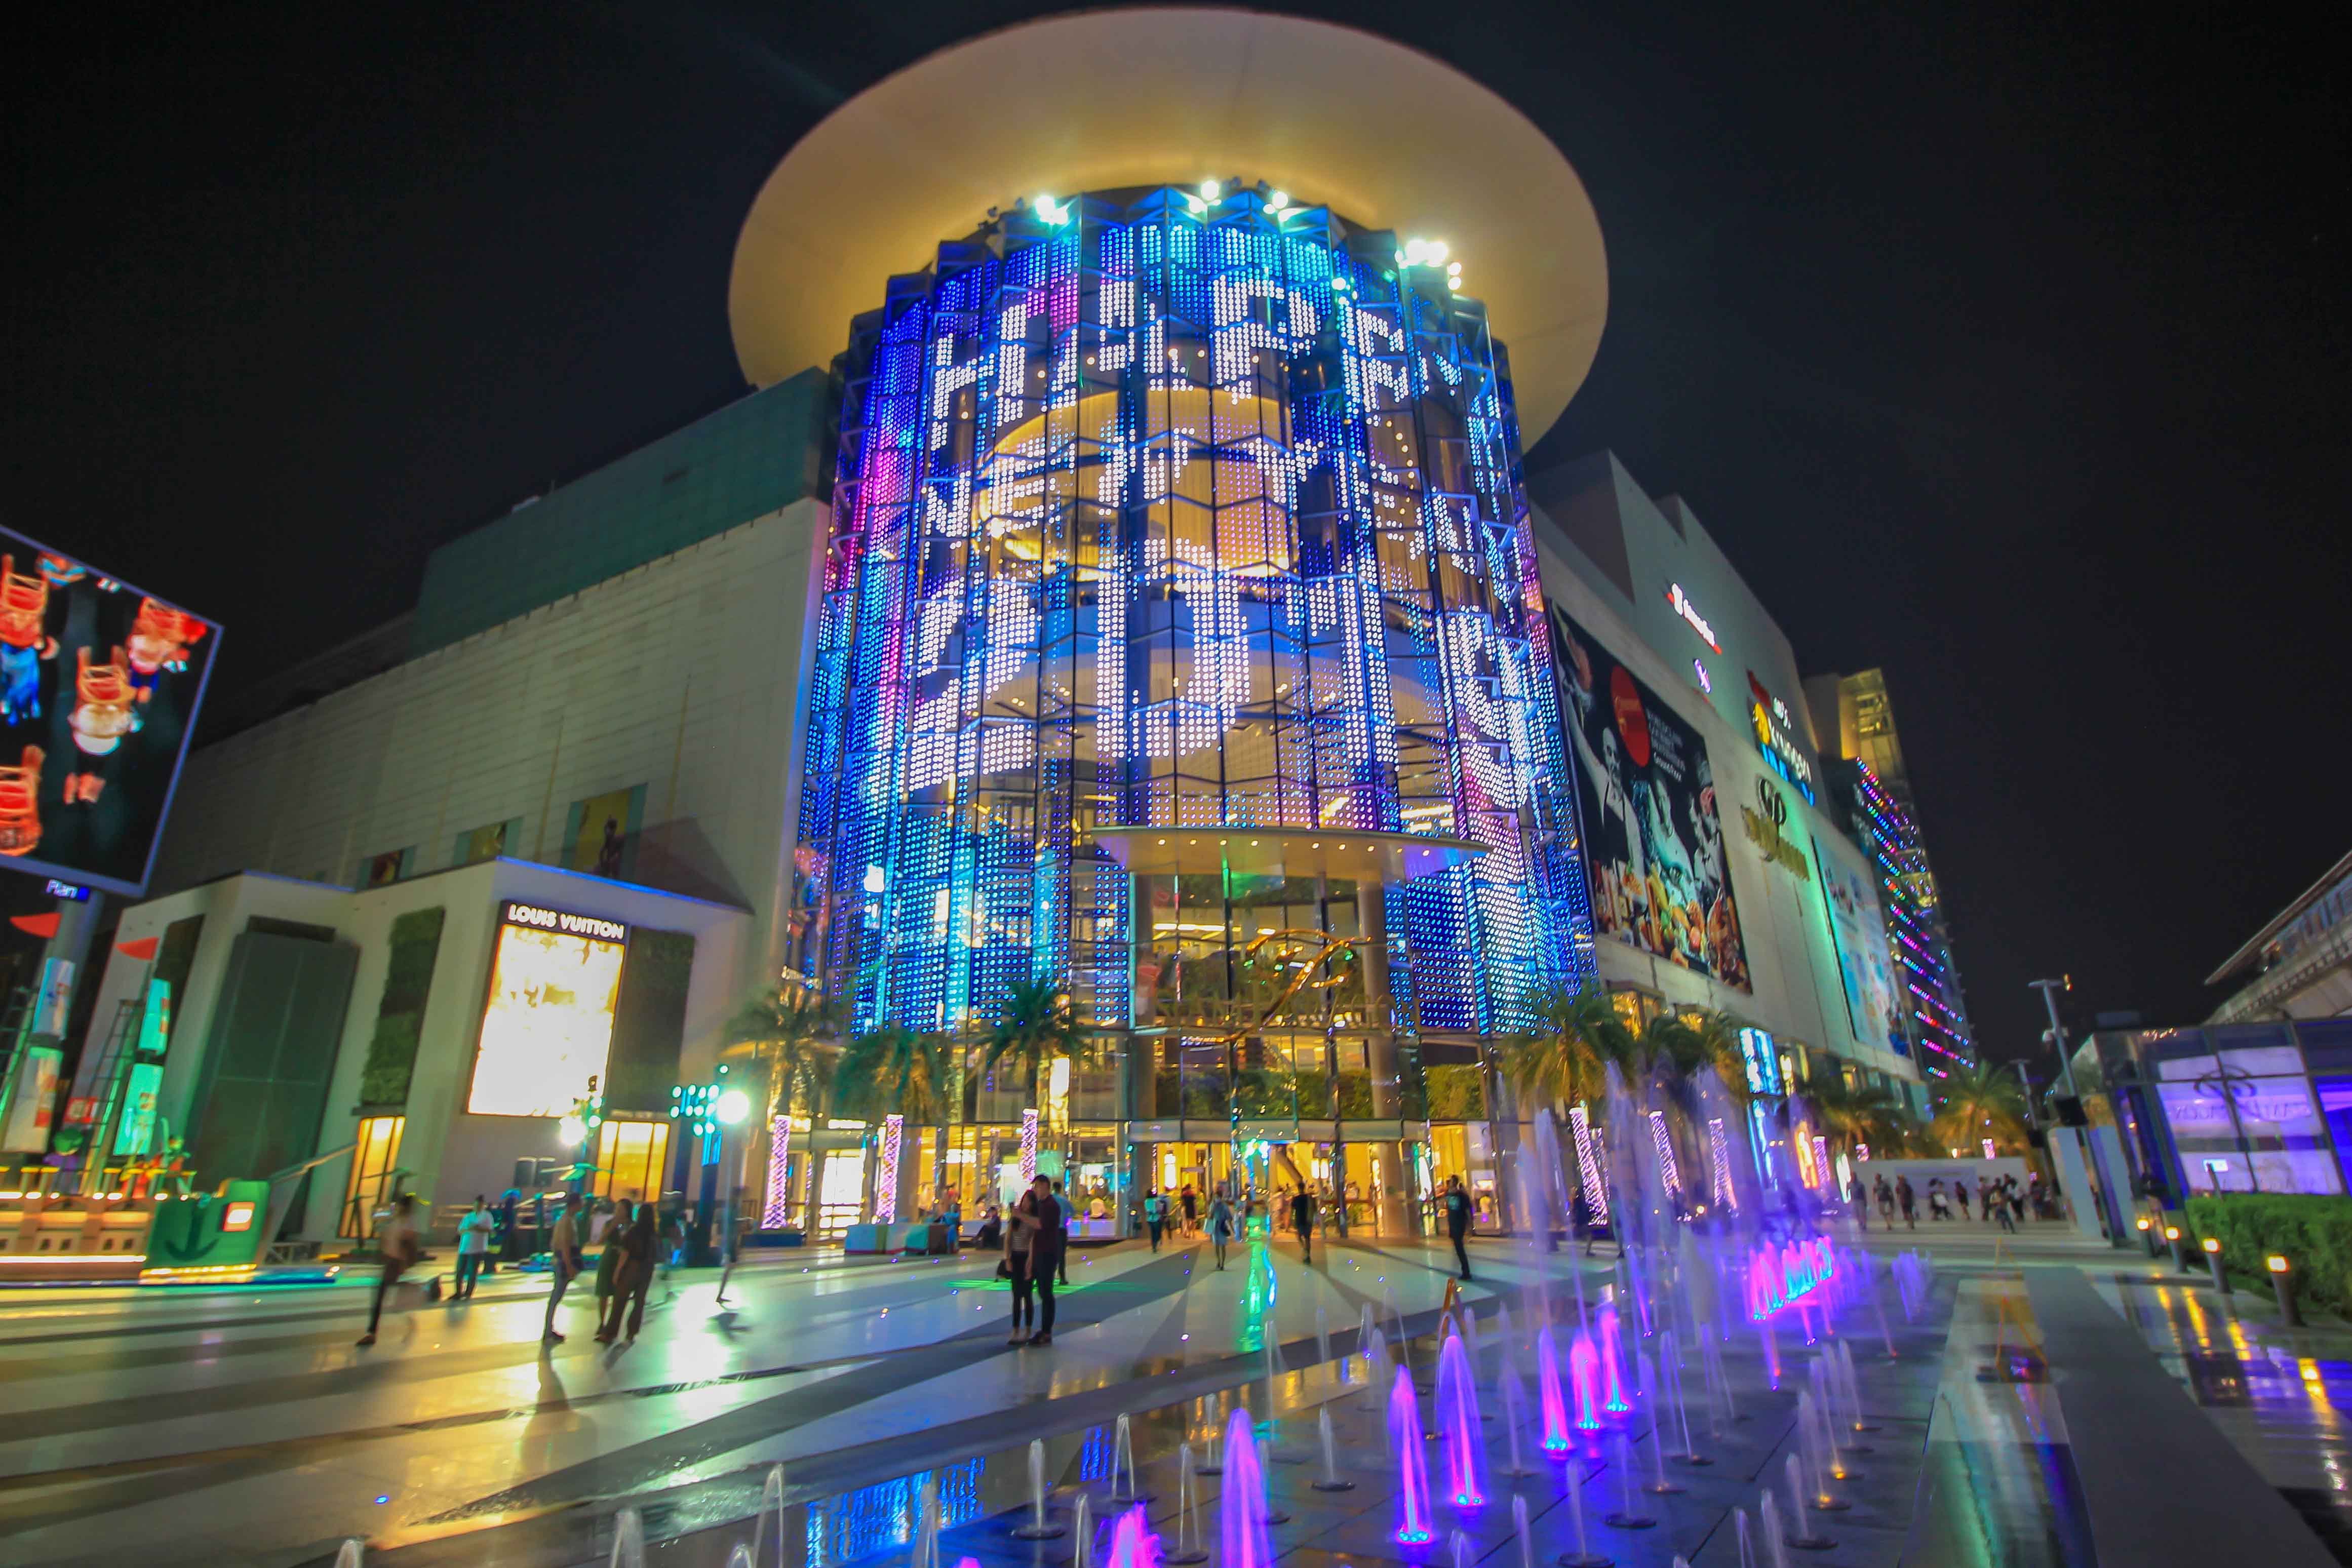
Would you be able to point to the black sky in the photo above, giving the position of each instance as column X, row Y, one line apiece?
column 2004, row 349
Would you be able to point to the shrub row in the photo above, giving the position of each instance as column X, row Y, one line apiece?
column 2314, row 1234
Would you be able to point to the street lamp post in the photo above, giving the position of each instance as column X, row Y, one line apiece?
column 2050, row 989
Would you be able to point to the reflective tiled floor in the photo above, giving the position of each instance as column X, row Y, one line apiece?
column 245, row 1428
column 2280, row 1394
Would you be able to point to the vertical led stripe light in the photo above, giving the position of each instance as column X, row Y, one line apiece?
column 777, row 1205
column 1665, row 1144
column 886, row 1180
column 1588, row 1164
column 1028, row 1147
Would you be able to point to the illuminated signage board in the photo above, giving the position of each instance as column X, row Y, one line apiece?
column 547, row 1029
column 541, row 918
column 1762, row 1061
column 1776, row 737
column 1689, row 612
column 99, row 686
column 1766, row 821
column 66, row 891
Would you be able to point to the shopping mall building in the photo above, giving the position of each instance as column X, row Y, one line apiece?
column 1123, row 572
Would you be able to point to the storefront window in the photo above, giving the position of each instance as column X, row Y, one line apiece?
column 2238, row 1129
column 632, row 1161
column 370, row 1187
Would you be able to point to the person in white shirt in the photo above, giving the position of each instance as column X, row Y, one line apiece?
column 473, row 1246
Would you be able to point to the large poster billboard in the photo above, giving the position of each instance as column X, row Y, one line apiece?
column 1652, row 841
column 100, row 685
column 555, row 981
column 1858, row 935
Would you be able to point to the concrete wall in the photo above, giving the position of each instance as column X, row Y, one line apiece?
column 682, row 676
column 1632, row 550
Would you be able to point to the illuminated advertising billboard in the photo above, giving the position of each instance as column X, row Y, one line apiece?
column 100, row 686
column 548, row 1027
column 1858, row 935
column 1652, row 842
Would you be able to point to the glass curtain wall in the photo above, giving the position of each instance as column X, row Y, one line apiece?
column 1175, row 510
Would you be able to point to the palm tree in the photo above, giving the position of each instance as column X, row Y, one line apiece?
column 1565, row 1058
column 791, row 1030
column 1681, row 1047
column 1037, row 1027
column 1849, row 1116
column 1033, row 1027
column 893, row 1069
column 1978, row 1102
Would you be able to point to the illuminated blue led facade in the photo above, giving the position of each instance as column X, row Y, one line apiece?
column 1161, row 511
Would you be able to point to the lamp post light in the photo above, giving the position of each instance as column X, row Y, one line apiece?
column 2283, row 1285
column 2179, row 1253
column 2213, row 1260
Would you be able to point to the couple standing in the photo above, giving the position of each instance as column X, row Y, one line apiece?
column 1035, row 1234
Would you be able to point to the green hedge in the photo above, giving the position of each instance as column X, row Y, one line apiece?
column 415, row 948
column 2314, row 1234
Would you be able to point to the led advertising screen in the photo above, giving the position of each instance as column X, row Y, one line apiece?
column 1859, row 937
column 100, row 685
column 1652, row 842
column 548, row 1027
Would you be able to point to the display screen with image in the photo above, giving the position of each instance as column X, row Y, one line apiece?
column 1864, row 965
column 547, row 1030
column 1653, row 840
column 100, row 684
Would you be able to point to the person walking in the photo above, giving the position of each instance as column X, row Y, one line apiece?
column 1302, row 1220
column 509, row 1234
column 1885, row 1195
column 634, row 1280
column 2017, row 1199
column 400, row 1246
column 1191, row 1212
column 1020, row 1230
column 1457, row 1221
column 1859, row 1195
column 1046, row 1249
column 1939, row 1206
column 1960, row 1196
column 612, row 1263
column 1996, row 1206
column 1221, row 1224
column 563, row 1262
column 1909, row 1200
column 1151, row 1221
column 473, row 1246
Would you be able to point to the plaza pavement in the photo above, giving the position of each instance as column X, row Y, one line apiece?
column 243, row 1427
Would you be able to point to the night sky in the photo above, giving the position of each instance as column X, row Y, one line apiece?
column 1999, row 349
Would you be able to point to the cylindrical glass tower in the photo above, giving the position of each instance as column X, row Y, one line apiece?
column 1181, row 591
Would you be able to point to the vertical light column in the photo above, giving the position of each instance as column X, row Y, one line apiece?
column 886, row 1180
column 776, row 1207
column 1028, row 1146
column 1589, row 1164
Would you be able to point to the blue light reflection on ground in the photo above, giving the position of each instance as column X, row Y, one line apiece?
column 858, row 1525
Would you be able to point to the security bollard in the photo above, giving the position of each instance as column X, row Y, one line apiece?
column 2213, row 1260
column 2282, row 1282
column 2148, row 1233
